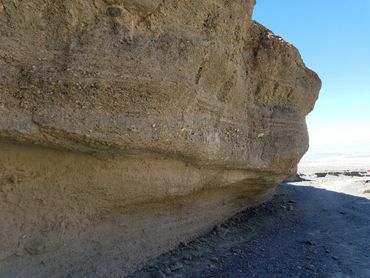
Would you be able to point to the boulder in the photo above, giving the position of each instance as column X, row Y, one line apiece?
column 129, row 126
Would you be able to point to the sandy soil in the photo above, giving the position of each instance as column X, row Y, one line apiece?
column 352, row 185
column 303, row 232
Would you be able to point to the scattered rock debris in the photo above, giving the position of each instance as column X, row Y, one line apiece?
column 269, row 242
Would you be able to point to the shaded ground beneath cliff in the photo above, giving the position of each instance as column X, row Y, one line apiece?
column 303, row 232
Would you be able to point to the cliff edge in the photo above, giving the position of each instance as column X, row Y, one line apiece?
column 128, row 126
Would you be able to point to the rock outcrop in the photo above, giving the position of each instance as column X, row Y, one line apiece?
column 127, row 126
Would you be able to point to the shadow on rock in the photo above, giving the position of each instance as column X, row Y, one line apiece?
column 302, row 232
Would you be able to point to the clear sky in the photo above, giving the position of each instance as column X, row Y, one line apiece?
column 333, row 37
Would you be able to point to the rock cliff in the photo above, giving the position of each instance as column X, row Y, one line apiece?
column 128, row 126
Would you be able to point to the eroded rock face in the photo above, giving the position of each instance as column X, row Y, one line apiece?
column 129, row 126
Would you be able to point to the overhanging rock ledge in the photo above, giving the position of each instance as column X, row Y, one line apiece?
column 129, row 126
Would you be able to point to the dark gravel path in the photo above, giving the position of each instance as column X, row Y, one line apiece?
column 302, row 232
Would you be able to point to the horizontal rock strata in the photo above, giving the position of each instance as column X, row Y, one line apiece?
column 129, row 126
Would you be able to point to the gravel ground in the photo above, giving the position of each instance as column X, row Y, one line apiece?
column 303, row 232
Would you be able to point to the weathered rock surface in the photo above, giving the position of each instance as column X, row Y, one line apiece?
column 129, row 126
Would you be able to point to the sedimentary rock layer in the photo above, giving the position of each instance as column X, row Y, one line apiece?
column 129, row 126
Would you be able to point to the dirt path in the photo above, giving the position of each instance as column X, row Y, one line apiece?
column 302, row 232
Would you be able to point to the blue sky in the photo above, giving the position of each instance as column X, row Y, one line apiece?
column 333, row 37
